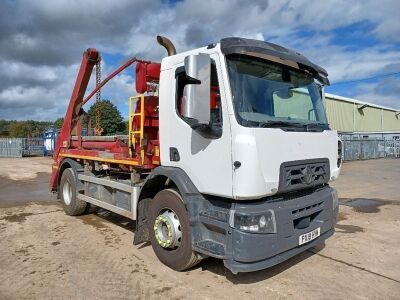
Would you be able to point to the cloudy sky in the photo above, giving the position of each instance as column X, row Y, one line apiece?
column 41, row 43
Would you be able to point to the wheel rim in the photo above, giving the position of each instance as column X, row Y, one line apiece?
column 167, row 229
column 67, row 193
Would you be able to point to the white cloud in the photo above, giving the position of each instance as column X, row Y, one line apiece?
column 386, row 89
column 22, row 71
column 41, row 41
column 46, row 99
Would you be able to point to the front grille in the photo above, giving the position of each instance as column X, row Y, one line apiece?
column 302, row 174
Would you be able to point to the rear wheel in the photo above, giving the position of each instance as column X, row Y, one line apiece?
column 169, row 230
column 72, row 206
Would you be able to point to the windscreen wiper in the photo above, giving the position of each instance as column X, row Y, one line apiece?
column 318, row 125
column 274, row 123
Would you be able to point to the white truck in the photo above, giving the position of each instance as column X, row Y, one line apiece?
column 229, row 155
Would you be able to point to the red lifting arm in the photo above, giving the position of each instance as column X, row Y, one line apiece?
column 89, row 60
column 112, row 75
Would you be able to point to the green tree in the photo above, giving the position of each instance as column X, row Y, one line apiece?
column 110, row 118
column 4, row 125
column 58, row 123
column 19, row 129
column 27, row 128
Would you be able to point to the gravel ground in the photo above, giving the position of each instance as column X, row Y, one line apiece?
column 46, row 254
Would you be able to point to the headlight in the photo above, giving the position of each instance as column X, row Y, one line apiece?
column 253, row 222
column 335, row 198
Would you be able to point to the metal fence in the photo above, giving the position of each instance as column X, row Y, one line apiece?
column 18, row 147
column 32, row 146
column 356, row 147
column 10, row 147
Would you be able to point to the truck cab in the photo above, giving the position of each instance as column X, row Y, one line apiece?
column 268, row 114
column 245, row 159
column 269, row 151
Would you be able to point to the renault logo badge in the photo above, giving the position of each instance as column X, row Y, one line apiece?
column 308, row 175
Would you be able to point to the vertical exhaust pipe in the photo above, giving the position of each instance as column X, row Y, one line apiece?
column 167, row 44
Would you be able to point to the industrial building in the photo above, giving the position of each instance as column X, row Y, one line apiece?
column 348, row 115
column 367, row 130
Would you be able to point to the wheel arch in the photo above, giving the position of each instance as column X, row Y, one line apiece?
column 65, row 164
column 160, row 178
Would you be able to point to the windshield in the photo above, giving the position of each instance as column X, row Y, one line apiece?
column 267, row 94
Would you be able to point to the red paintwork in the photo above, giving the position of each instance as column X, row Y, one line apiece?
column 117, row 149
column 117, row 146
column 90, row 57
column 145, row 73
column 151, row 126
column 215, row 97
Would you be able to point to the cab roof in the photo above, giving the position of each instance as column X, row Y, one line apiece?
column 236, row 45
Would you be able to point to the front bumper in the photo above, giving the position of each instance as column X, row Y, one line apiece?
column 238, row 267
column 247, row 252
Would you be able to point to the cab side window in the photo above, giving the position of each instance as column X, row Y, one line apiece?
column 215, row 97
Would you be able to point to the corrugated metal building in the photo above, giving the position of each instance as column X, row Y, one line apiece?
column 350, row 115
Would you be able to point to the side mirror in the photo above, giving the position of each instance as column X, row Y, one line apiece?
column 196, row 95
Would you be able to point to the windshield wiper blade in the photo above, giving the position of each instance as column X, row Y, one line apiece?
column 313, row 125
column 280, row 123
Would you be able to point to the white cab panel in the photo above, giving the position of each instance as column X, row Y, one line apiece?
column 208, row 162
column 261, row 152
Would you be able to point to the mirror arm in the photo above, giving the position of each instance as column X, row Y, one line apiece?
column 191, row 80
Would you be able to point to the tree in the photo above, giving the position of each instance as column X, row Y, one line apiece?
column 19, row 129
column 4, row 128
column 110, row 118
column 27, row 128
column 58, row 123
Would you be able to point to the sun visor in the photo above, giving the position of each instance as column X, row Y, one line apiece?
column 274, row 53
column 322, row 79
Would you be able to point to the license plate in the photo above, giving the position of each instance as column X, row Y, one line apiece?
column 309, row 236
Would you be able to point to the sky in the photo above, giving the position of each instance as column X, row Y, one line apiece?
column 42, row 41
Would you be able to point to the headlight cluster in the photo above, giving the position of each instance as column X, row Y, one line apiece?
column 263, row 222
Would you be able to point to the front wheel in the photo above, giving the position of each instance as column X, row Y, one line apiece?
column 169, row 230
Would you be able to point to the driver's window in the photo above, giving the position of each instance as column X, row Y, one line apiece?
column 215, row 96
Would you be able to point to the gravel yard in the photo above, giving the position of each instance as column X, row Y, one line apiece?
column 47, row 254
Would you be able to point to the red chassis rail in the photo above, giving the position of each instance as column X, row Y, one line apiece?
column 70, row 143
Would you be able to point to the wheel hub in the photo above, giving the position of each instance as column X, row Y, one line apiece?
column 67, row 193
column 167, row 230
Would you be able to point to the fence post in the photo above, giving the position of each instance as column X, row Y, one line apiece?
column 384, row 147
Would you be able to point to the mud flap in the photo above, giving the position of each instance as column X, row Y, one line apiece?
column 142, row 231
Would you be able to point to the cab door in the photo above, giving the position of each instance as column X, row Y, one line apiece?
column 205, row 157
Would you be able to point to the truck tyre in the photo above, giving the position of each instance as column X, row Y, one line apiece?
column 72, row 206
column 169, row 231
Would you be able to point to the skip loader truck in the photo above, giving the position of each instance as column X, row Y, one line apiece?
column 228, row 155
